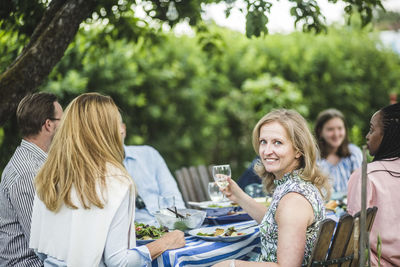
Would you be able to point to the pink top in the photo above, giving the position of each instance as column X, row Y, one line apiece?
column 383, row 191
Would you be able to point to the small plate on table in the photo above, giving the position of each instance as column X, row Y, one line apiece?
column 209, row 230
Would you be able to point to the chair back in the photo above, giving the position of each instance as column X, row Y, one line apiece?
column 193, row 183
column 338, row 244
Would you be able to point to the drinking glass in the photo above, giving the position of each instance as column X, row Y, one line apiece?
column 214, row 193
column 221, row 173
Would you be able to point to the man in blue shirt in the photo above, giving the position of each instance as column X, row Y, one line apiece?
column 152, row 178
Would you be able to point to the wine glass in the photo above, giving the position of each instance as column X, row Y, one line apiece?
column 214, row 193
column 221, row 173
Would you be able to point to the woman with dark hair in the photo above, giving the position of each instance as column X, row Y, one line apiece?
column 383, row 185
column 339, row 158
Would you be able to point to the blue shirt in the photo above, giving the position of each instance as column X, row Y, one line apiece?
column 152, row 178
column 339, row 174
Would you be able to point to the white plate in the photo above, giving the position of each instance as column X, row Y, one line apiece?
column 207, row 204
column 209, row 230
column 221, row 208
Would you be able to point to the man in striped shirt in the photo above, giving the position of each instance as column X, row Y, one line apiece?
column 38, row 117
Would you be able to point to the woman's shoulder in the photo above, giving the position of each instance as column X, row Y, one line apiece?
column 112, row 169
column 323, row 163
column 354, row 149
column 385, row 165
column 355, row 158
column 309, row 191
column 301, row 186
column 379, row 165
column 115, row 174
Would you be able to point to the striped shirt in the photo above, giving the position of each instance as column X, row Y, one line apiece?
column 16, row 197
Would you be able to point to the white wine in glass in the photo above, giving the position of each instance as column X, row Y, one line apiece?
column 222, row 182
column 221, row 173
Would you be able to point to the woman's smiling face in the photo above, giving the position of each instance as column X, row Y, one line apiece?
column 334, row 132
column 276, row 150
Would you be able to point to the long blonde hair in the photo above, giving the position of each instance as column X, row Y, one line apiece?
column 88, row 138
column 303, row 141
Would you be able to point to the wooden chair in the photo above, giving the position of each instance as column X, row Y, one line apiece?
column 205, row 177
column 337, row 244
column 193, row 183
column 183, row 184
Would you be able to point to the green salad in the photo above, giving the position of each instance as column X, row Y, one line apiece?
column 145, row 231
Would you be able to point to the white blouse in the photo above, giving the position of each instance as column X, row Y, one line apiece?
column 91, row 237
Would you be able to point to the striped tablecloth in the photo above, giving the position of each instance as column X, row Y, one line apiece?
column 199, row 252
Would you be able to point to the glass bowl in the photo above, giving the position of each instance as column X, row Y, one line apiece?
column 193, row 219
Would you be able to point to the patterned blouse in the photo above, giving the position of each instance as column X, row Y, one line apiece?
column 291, row 182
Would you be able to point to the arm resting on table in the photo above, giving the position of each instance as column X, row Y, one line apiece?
column 172, row 240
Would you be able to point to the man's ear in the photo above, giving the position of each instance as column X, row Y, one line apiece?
column 47, row 125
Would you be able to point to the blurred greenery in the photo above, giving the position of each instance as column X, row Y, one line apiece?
column 196, row 99
column 23, row 16
column 387, row 20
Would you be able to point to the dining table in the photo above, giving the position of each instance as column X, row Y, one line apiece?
column 201, row 252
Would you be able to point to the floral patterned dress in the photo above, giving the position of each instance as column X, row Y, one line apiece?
column 291, row 182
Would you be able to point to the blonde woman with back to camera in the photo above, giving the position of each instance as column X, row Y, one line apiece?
column 287, row 165
column 83, row 212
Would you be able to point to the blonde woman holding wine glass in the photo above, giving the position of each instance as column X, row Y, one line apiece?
column 287, row 165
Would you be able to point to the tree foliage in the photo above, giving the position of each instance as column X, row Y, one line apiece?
column 387, row 20
column 47, row 27
column 198, row 104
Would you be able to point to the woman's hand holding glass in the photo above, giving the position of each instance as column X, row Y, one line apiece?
column 233, row 192
column 230, row 189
